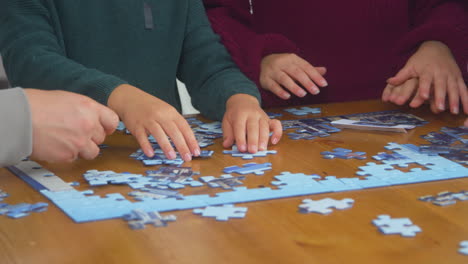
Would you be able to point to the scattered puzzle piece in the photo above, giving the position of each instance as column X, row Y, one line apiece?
column 3, row 195
column 245, row 155
column 390, row 226
column 304, row 111
column 222, row 213
column 138, row 218
column 445, row 198
column 343, row 153
column 463, row 247
column 22, row 209
column 226, row 181
column 324, row 206
column 247, row 168
column 297, row 136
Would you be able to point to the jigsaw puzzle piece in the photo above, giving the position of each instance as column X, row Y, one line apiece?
column 402, row 226
column 324, row 206
column 222, row 213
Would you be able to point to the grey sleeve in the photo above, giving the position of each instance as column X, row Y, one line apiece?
column 15, row 127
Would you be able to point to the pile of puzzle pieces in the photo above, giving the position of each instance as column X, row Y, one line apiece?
column 372, row 175
column 445, row 198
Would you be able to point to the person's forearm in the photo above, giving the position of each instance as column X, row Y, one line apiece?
column 16, row 128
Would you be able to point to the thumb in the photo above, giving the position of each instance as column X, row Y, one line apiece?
column 402, row 76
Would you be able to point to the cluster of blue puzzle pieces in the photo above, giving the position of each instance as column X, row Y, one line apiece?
column 153, row 195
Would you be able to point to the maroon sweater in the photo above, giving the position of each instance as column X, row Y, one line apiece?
column 362, row 43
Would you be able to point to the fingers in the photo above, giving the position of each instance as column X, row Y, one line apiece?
column 239, row 133
column 98, row 135
column 160, row 135
column 401, row 93
column 441, row 86
column 264, row 134
column 453, row 96
column 287, row 82
column 387, row 92
column 275, row 88
column 189, row 137
column 466, row 123
column 228, row 134
column 463, row 91
column 425, row 83
column 403, row 75
column 142, row 139
column 277, row 129
column 252, row 135
column 313, row 73
column 300, row 76
column 174, row 132
column 89, row 151
column 109, row 119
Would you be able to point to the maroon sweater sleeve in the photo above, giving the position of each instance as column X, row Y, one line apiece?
column 444, row 21
column 232, row 20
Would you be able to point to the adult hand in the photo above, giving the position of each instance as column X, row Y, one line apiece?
column 144, row 115
column 438, row 75
column 67, row 125
column 281, row 74
column 246, row 124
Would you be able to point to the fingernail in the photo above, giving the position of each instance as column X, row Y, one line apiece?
column 302, row 93
column 197, row 152
column 262, row 147
column 253, row 148
column 172, row 154
column 187, row 157
column 286, row 96
column 242, row 148
column 274, row 140
column 441, row 107
column 316, row 91
column 455, row 110
column 324, row 84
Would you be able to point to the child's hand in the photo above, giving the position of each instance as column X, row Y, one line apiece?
column 282, row 72
column 436, row 69
column 248, row 125
column 144, row 114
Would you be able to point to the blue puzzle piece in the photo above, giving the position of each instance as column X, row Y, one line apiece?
column 304, row 111
column 245, row 155
column 225, row 181
column 463, row 247
column 222, row 213
column 297, row 136
column 343, row 153
column 257, row 169
column 22, row 209
column 3, row 195
column 138, row 218
column 390, row 226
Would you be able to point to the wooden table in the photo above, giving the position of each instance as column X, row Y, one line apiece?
column 272, row 232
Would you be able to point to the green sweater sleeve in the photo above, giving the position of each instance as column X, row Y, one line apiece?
column 206, row 68
column 34, row 55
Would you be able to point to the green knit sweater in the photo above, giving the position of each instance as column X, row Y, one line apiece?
column 93, row 46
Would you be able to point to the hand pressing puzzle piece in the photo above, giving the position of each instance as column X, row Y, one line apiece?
column 324, row 206
column 222, row 213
